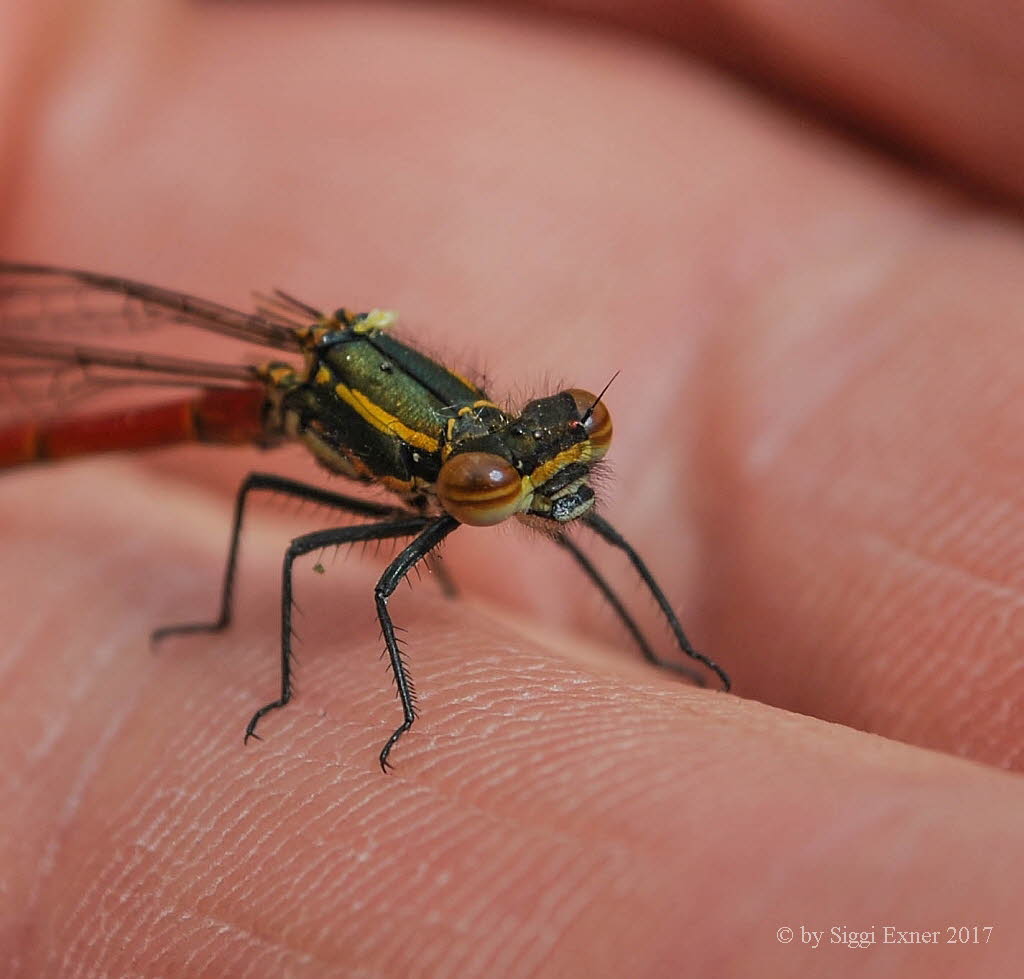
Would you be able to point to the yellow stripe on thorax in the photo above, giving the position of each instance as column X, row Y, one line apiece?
column 382, row 421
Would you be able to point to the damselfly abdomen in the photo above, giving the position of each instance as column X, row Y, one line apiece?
column 367, row 406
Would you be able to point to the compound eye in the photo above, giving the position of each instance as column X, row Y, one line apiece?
column 480, row 489
column 597, row 422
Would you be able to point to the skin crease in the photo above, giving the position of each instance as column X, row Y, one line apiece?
column 817, row 450
column 935, row 81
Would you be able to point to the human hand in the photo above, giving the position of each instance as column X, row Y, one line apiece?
column 817, row 451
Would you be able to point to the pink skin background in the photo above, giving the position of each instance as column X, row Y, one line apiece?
column 795, row 229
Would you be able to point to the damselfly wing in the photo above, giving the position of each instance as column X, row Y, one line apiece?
column 367, row 405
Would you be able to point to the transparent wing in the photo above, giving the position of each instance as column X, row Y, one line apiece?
column 68, row 336
column 36, row 298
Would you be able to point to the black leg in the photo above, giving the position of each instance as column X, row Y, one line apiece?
column 627, row 620
column 602, row 528
column 287, row 487
column 317, row 540
column 436, row 532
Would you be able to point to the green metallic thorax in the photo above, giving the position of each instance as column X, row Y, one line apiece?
column 370, row 407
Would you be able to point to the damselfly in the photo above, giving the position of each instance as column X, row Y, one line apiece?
column 366, row 405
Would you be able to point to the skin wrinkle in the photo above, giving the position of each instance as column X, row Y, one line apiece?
column 90, row 763
column 582, row 813
column 558, row 906
column 852, row 367
column 971, row 579
column 870, row 350
column 427, row 845
column 546, row 768
column 410, row 913
column 252, row 938
column 297, row 955
column 976, row 580
column 503, row 931
column 899, row 89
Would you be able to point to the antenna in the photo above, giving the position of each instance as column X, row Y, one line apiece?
column 597, row 400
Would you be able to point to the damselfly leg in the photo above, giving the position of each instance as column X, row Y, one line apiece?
column 284, row 487
column 431, row 531
column 396, row 522
column 603, row 529
column 418, row 549
column 613, row 599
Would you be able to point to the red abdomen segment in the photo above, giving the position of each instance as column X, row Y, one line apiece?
column 226, row 416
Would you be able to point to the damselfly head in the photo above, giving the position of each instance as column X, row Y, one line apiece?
column 535, row 464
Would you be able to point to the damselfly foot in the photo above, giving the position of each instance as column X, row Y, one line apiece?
column 250, row 728
column 157, row 636
column 385, row 765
